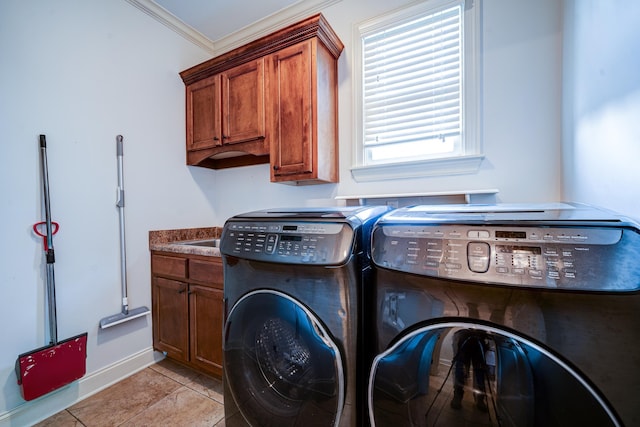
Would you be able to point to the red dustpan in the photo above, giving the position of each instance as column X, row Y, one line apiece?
column 48, row 368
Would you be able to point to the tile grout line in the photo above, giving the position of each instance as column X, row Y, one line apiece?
column 187, row 384
column 75, row 418
column 156, row 401
column 203, row 394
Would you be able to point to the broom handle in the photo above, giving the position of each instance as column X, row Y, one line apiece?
column 120, row 204
column 51, row 288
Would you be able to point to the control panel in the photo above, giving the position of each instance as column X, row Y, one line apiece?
column 322, row 243
column 550, row 257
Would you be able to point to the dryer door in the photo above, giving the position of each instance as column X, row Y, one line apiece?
column 282, row 367
column 464, row 373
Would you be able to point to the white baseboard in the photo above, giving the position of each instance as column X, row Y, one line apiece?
column 36, row 410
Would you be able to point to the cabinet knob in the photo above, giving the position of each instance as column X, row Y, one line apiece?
column 215, row 138
column 276, row 167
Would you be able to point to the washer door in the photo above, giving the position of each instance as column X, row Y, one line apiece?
column 461, row 373
column 281, row 365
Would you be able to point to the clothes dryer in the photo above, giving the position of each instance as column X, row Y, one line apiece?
column 293, row 286
column 505, row 315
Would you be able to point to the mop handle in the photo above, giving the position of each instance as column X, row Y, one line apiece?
column 120, row 205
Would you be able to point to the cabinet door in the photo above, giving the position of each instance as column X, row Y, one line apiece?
column 290, row 93
column 170, row 317
column 243, row 117
column 206, row 305
column 203, row 114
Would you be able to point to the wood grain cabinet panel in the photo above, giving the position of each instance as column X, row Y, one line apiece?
column 188, row 313
column 170, row 318
column 204, row 271
column 304, row 114
column 205, row 328
column 203, row 115
column 291, row 112
column 169, row 266
column 243, row 104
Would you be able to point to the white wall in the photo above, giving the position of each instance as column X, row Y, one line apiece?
column 602, row 104
column 521, row 77
column 82, row 72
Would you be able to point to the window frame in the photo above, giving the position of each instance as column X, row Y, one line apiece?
column 471, row 156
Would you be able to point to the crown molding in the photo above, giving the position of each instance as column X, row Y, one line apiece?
column 260, row 28
column 272, row 23
column 315, row 26
column 163, row 16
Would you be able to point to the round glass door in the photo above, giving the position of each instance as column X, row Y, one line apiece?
column 460, row 373
column 280, row 363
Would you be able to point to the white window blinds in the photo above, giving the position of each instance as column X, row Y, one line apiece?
column 412, row 88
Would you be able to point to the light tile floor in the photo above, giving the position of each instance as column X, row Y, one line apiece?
column 164, row 394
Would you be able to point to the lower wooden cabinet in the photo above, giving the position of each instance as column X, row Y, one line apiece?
column 205, row 328
column 170, row 316
column 188, row 309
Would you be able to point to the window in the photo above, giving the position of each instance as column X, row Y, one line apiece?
column 416, row 92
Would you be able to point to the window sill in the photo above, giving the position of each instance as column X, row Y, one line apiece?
column 418, row 169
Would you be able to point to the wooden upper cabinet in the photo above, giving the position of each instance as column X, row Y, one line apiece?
column 243, row 103
column 203, row 114
column 226, row 110
column 291, row 115
column 303, row 96
column 273, row 100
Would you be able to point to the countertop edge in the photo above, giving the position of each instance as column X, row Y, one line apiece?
column 165, row 240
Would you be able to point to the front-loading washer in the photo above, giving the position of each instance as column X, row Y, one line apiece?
column 293, row 287
column 505, row 315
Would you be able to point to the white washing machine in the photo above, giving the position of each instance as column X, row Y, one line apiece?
column 293, row 287
column 505, row 315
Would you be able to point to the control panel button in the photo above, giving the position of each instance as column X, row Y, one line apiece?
column 270, row 247
column 478, row 256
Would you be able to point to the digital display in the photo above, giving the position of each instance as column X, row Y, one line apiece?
column 533, row 250
column 289, row 227
column 287, row 238
column 511, row 234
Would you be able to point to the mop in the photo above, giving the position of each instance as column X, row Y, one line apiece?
column 126, row 314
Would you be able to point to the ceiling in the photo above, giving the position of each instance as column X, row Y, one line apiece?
column 216, row 19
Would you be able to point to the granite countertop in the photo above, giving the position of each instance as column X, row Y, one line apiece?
column 166, row 240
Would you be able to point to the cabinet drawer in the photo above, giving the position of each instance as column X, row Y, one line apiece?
column 205, row 271
column 169, row 266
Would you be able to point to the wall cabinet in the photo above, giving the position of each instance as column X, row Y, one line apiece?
column 188, row 309
column 278, row 104
column 303, row 96
column 226, row 114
